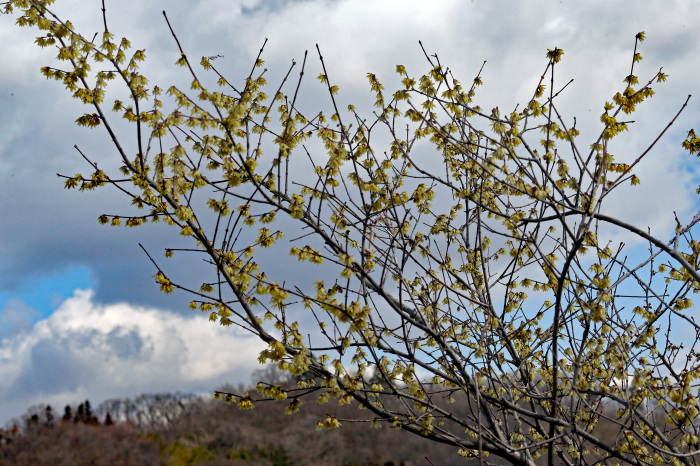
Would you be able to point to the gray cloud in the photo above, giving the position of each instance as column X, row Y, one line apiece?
column 124, row 342
column 52, row 229
column 45, row 229
column 16, row 317
column 50, row 369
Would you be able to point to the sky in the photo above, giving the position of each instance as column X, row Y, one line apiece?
column 80, row 316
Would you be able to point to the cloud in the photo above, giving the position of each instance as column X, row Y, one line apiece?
column 51, row 229
column 96, row 346
column 87, row 350
column 16, row 316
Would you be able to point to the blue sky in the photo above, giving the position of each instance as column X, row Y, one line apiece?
column 45, row 293
column 51, row 244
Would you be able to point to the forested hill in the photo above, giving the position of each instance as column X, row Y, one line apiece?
column 183, row 429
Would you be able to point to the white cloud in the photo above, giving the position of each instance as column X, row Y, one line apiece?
column 85, row 350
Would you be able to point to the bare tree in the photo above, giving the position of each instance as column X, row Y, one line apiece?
column 149, row 411
column 462, row 259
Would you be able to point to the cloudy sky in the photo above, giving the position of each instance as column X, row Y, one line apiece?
column 79, row 314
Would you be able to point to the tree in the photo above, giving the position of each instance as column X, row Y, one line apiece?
column 424, row 250
column 67, row 414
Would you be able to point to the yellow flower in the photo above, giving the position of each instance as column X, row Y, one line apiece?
column 245, row 402
column 329, row 423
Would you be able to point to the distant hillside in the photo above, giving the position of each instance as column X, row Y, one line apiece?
column 181, row 429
